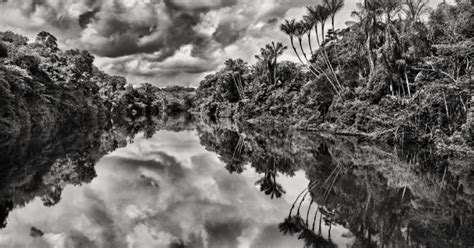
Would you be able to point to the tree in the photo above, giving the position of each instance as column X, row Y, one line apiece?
column 269, row 58
column 16, row 39
column 299, row 32
column 47, row 40
column 333, row 6
column 312, row 17
column 367, row 21
column 308, row 24
column 238, row 68
column 322, row 14
column 289, row 28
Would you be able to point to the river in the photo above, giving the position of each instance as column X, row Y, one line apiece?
column 230, row 186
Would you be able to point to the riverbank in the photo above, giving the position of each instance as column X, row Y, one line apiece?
column 44, row 89
column 413, row 85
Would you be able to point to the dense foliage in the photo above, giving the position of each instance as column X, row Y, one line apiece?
column 398, row 72
column 43, row 89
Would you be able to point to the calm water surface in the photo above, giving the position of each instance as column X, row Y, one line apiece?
column 156, row 192
column 218, row 187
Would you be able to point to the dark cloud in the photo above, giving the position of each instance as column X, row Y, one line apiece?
column 87, row 17
column 148, row 40
column 229, row 31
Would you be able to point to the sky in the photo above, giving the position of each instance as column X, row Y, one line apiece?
column 155, row 192
column 163, row 42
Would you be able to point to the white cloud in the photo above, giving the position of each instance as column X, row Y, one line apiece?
column 152, row 38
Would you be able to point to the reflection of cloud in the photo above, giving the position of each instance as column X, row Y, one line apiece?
column 145, row 196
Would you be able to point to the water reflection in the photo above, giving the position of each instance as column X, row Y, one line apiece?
column 153, row 193
column 228, row 185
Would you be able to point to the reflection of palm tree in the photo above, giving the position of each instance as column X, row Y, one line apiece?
column 269, row 185
column 313, row 240
column 333, row 6
column 292, row 225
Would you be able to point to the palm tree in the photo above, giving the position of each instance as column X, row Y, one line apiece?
column 276, row 50
column 318, row 14
column 299, row 32
column 269, row 185
column 314, row 18
column 292, row 225
column 269, row 58
column 367, row 21
column 322, row 13
column 308, row 24
column 289, row 27
column 333, row 6
column 292, row 29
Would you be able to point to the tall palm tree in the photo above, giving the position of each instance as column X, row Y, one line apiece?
column 292, row 29
column 289, row 27
column 308, row 24
column 322, row 13
column 318, row 15
column 334, row 6
column 299, row 32
column 313, row 16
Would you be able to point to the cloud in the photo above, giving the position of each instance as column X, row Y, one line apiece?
column 146, row 39
column 160, row 41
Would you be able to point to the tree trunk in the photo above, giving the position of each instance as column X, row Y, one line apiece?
column 322, row 31
column 317, row 35
column 275, row 70
column 300, row 40
column 296, row 52
column 370, row 57
column 333, row 27
column 309, row 42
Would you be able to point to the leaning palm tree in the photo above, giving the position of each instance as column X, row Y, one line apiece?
column 322, row 13
column 308, row 24
column 333, row 6
column 289, row 27
column 294, row 29
column 318, row 14
column 299, row 33
column 314, row 18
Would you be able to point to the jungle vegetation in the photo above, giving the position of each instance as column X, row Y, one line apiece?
column 399, row 71
column 44, row 89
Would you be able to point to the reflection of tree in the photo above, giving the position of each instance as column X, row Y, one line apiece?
column 269, row 185
column 292, row 225
column 379, row 195
column 42, row 166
